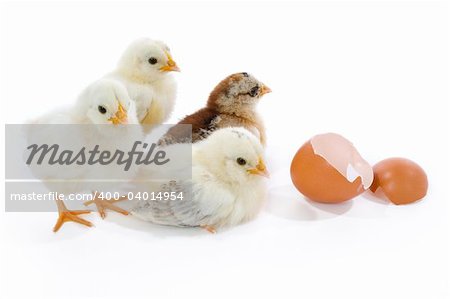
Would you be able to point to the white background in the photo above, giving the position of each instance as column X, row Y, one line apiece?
column 375, row 72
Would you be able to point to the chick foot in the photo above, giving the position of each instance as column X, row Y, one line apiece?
column 209, row 228
column 103, row 204
column 66, row 215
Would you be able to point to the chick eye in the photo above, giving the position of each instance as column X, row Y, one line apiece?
column 254, row 91
column 241, row 161
column 152, row 60
column 245, row 74
column 101, row 109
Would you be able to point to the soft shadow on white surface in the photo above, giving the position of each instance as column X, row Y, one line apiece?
column 285, row 202
column 336, row 209
column 370, row 196
column 133, row 223
column 114, row 222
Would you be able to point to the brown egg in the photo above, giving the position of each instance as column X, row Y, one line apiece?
column 400, row 180
column 328, row 169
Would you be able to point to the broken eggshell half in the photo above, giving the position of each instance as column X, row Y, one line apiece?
column 329, row 169
column 400, row 180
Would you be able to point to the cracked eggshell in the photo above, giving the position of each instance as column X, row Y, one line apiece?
column 399, row 180
column 329, row 169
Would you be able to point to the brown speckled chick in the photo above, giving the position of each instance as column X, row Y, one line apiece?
column 232, row 103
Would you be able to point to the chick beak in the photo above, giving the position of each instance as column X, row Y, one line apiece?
column 171, row 65
column 265, row 89
column 260, row 169
column 120, row 117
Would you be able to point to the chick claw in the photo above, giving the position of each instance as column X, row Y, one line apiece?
column 103, row 204
column 66, row 215
column 209, row 228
